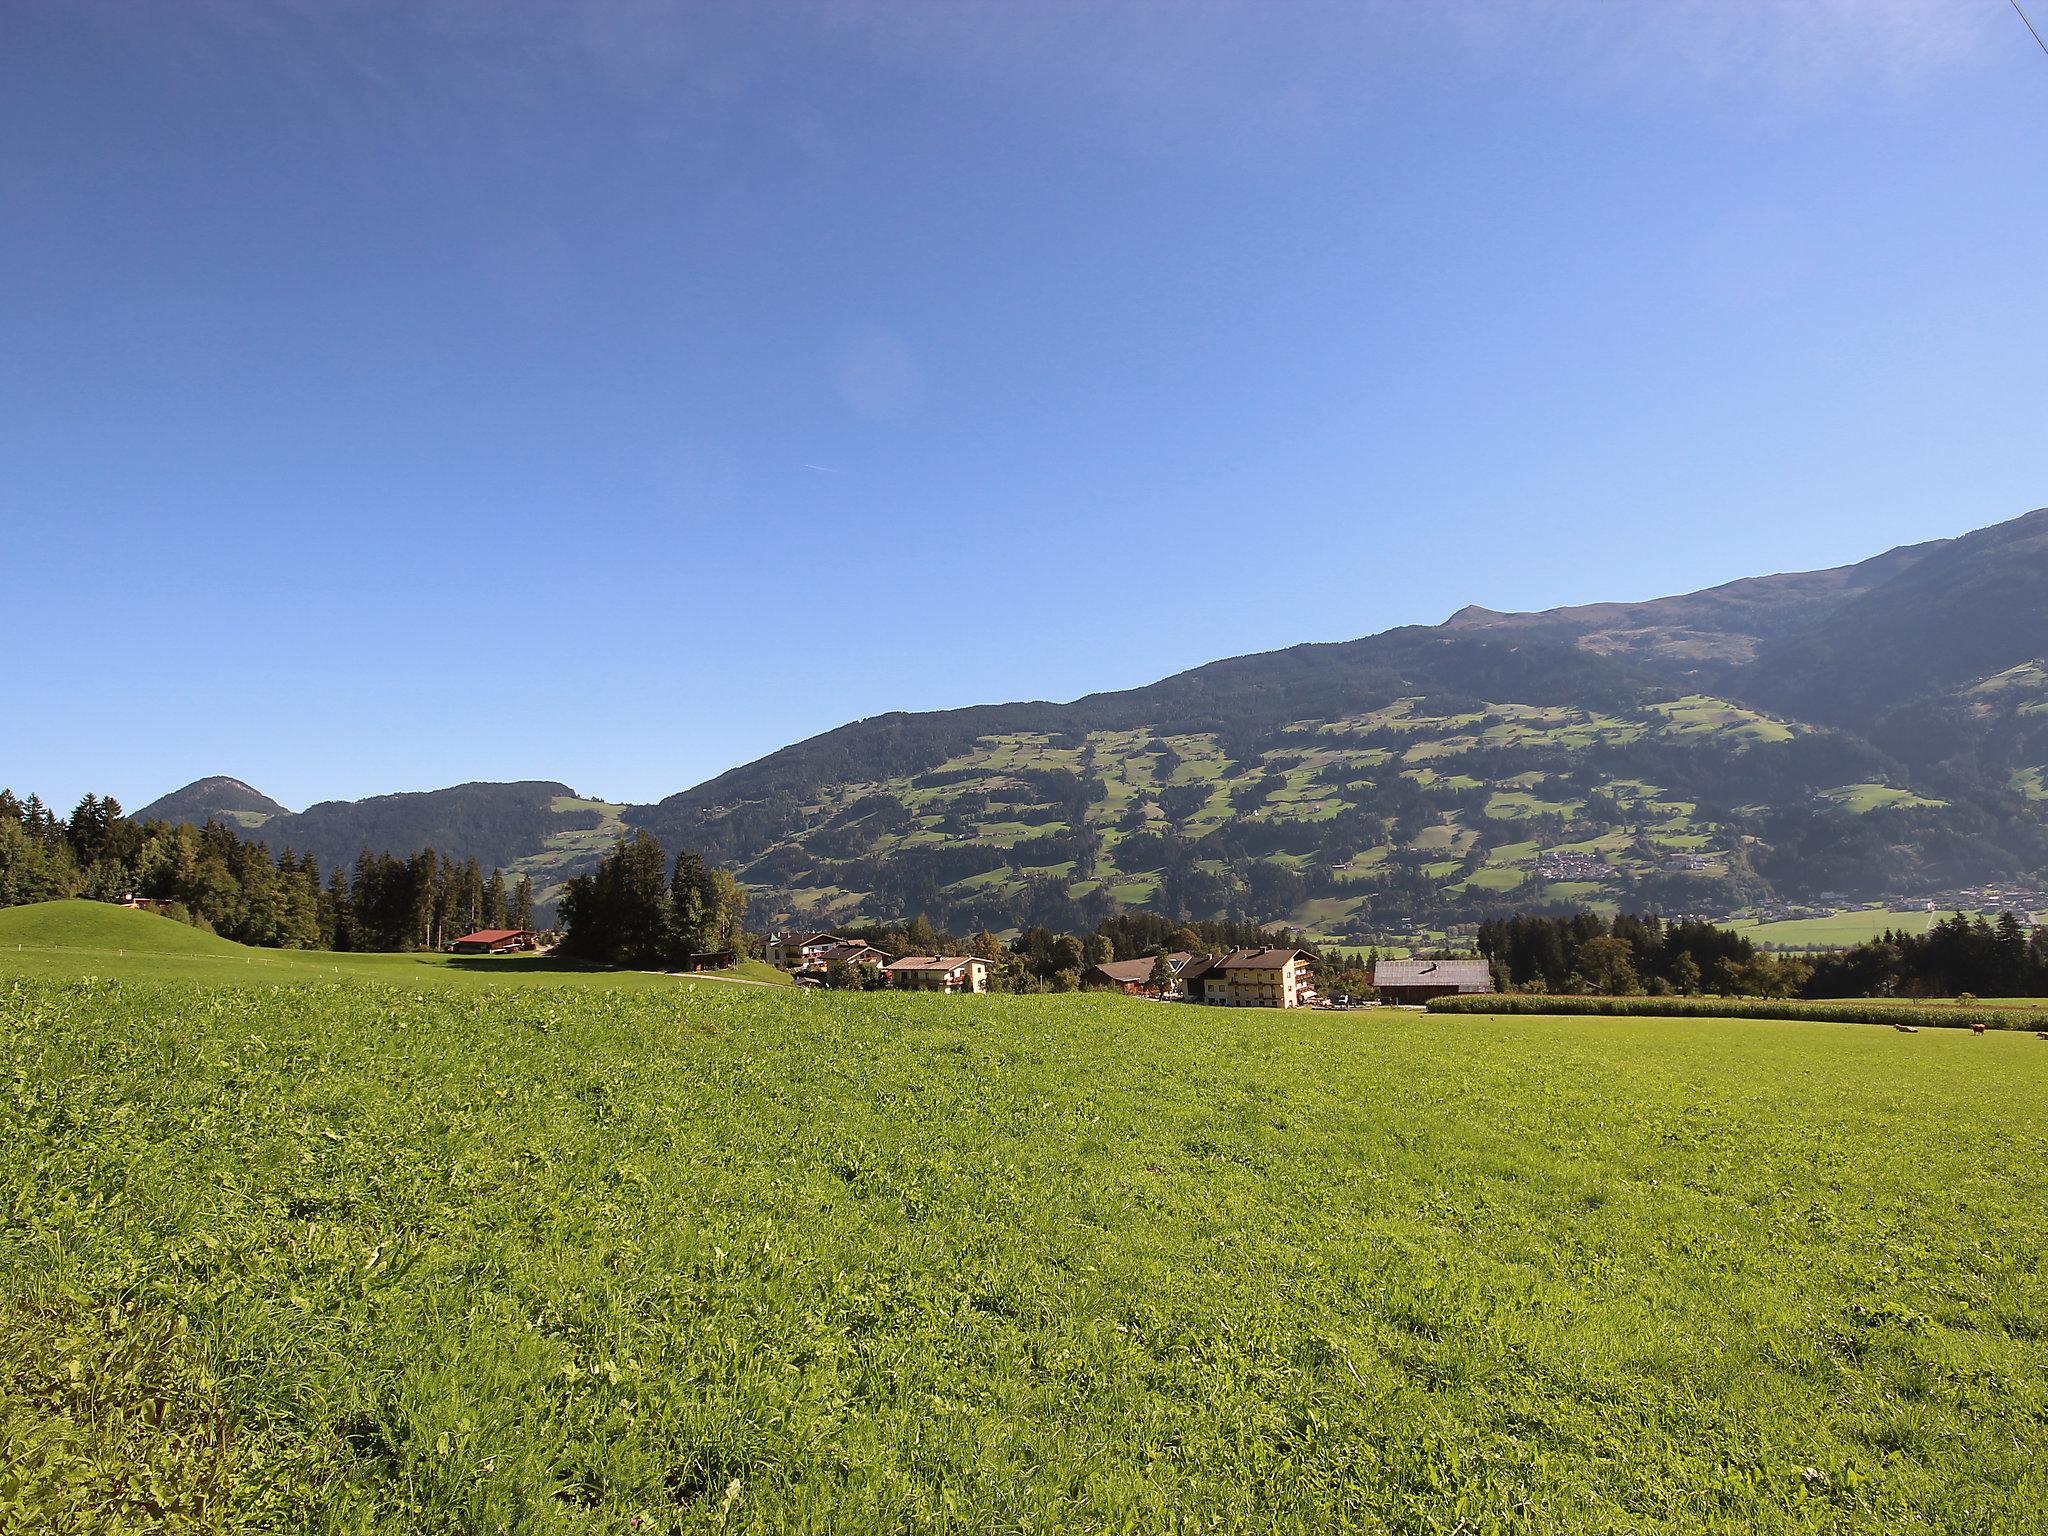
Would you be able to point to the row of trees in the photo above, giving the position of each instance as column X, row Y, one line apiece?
column 211, row 877
column 2007, row 958
column 1587, row 953
column 1625, row 954
column 634, row 910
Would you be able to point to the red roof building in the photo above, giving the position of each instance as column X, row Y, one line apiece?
column 493, row 941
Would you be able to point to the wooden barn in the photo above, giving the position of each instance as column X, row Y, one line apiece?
column 1417, row 981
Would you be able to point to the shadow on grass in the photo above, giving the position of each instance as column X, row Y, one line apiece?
column 518, row 964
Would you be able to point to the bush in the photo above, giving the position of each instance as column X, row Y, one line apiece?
column 1844, row 1011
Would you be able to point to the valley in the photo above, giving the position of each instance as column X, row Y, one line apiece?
column 1723, row 753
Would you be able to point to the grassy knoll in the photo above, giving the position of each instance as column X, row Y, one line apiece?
column 355, row 1258
column 61, row 940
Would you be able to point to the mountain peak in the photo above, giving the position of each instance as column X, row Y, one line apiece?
column 218, row 798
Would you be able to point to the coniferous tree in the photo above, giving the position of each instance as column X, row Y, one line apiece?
column 690, row 906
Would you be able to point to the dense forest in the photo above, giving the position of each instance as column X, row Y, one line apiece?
column 211, row 877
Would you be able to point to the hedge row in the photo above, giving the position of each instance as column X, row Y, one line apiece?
column 1844, row 1011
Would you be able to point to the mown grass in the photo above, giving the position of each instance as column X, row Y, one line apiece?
column 384, row 1259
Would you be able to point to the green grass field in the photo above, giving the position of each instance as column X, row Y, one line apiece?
column 68, row 939
column 360, row 1257
column 1836, row 931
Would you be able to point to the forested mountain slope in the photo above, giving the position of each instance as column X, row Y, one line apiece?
column 1877, row 728
column 216, row 799
column 1973, row 607
column 1715, row 630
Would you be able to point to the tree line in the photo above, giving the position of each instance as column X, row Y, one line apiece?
column 1043, row 959
column 1628, row 955
column 1956, row 956
column 210, row 877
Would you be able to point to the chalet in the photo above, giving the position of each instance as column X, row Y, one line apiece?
column 851, row 952
column 493, row 941
column 1417, row 981
column 1252, row 978
column 938, row 973
column 711, row 960
column 135, row 903
column 801, row 951
column 1134, row 977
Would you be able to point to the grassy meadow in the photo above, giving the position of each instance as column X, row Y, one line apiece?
column 1838, row 930
column 348, row 1256
column 70, row 939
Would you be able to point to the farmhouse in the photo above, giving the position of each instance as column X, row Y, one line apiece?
column 1417, row 981
column 493, row 941
column 1252, row 978
column 851, row 952
column 801, row 951
column 938, row 973
column 1134, row 977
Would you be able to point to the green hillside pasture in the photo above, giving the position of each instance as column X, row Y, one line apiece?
column 64, row 940
column 1863, row 798
column 356, row 1259
column 1698, row 714
column 1838, row 930
column 1496, row 878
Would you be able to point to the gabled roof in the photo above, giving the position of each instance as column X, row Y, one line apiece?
column 1465, row 975
column 1260, row 959
column 847, row 948
column 932, row 963
column 1136, row 971
column 493, row 935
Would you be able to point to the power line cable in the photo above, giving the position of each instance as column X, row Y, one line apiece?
column 2030, row 26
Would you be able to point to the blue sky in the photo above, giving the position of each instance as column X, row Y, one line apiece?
column 399, row 394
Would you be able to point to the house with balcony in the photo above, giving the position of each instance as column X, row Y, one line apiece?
column 801, row 951
column 1252, row 978
column 938, row 973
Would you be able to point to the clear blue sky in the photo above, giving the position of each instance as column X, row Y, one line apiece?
column 396, row 394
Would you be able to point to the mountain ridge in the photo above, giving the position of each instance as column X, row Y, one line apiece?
column 1787, row 734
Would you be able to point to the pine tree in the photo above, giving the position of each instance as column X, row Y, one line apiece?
column 340, row 917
